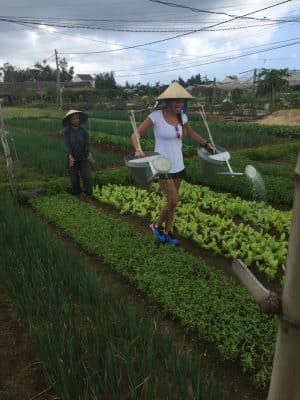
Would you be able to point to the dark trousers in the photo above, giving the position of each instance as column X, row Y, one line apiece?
column 81, row 169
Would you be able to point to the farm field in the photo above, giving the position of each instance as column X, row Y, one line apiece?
column 105, row 311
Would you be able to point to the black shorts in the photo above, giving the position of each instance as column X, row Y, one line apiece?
column 173, row 175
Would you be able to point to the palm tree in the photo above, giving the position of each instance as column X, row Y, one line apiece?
column 272, row 81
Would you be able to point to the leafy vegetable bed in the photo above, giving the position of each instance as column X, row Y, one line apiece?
column 198, row 295
column 218, row 232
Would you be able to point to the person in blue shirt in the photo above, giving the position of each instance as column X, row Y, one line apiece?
column 79, row 156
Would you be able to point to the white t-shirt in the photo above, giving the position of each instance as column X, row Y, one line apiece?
column 167, row 142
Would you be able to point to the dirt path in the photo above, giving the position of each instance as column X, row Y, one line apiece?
column 283, row 117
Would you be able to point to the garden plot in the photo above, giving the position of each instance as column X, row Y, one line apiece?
column 206, row 302
column 91, row 343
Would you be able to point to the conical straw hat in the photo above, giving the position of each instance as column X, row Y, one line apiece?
column 175, row 91
column 82, row 116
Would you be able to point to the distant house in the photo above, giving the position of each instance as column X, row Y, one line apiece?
column 86, row 78
column 232, row 82
column 294, row 78
column 77, row 86
column 218, row 89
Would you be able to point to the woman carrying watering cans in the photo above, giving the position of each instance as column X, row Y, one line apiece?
column 170, row 124
column 78, row 148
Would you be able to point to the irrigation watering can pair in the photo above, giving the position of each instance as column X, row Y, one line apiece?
column 147, row 169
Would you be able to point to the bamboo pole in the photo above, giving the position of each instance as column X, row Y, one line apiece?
column 9, row 163
column 285, row 380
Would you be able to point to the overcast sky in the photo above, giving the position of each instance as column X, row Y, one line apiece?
column 108, row 27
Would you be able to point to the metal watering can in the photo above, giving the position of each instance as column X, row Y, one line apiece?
column 147, row 168
column 211, row 164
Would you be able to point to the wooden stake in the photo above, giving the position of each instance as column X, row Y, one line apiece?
column 9, row 163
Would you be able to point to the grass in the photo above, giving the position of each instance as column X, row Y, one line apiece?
column 232, row 136
column 25, row 112
column 92, row 343
column 48, row 154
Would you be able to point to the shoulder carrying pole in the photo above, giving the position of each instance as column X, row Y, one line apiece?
column 134, row 127
column 285, row 380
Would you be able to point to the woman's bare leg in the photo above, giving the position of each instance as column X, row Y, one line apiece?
column 170, row 188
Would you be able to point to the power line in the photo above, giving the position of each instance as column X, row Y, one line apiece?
column 131, row 30
column 212, row 55
column 184, row 34
column 197, row 10
column 176, row 36
column 143, row 49
column 211, row 62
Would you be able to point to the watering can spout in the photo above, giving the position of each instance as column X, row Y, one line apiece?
column 250, row 171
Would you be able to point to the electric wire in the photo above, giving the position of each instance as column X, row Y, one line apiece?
column 211, row 55
column 211, row 62
column 197, row 10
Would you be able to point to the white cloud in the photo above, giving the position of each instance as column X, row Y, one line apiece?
column 22, row 47
column 47, row 28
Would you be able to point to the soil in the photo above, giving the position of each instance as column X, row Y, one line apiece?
column 283, row 117
column 22, row 375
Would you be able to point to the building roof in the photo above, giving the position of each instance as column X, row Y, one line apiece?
column 228, row 84
column 85, row 77
column 79, row 85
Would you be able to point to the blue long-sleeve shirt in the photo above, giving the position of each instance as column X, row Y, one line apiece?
column 77, row 143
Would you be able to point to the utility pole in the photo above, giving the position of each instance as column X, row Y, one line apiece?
column 254, row 83
column 58, row 84
column 214, row 94
column 7, row 154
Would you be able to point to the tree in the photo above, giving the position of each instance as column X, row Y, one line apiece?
column 272, row 81
column 11, row 74
column 194, row 80
column 105, row 80
column 181, row 81
column 66, row 73
column 41, row 72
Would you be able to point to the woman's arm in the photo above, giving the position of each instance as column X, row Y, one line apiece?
column 142, row 128
column 199, row 139
column 68, row 148
column 88, row 147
